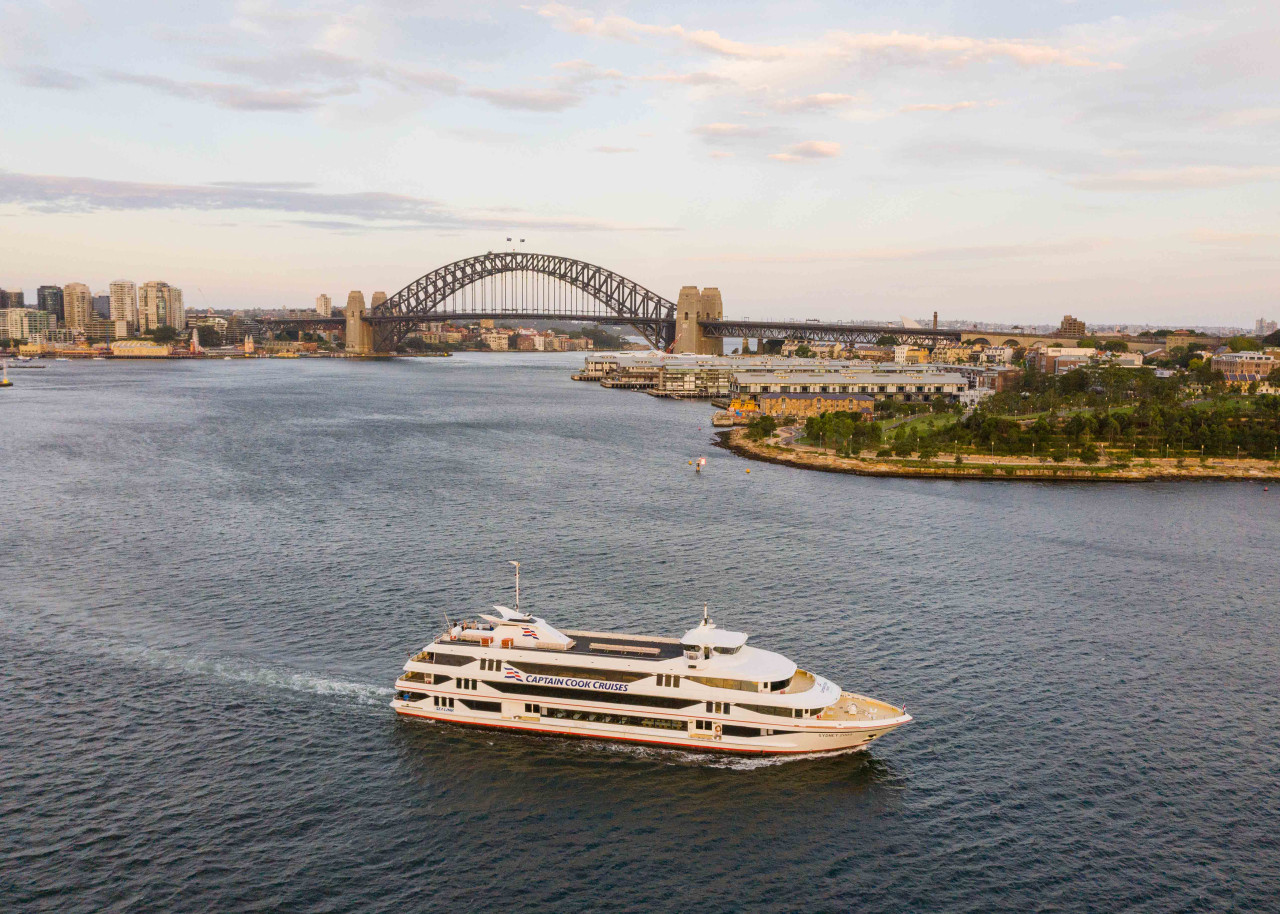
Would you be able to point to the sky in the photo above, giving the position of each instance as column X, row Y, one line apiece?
column 1003, row 160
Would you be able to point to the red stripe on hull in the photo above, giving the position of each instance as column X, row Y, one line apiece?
column 624, row 739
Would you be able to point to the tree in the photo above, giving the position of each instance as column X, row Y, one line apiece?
column 1274, row 377
column 164, row 334
column 1088, row 343
column 761, row 427
column 804, row 352
column 1272, row 339
column 1115, row 346
column 887, row 340
column 1244, row 344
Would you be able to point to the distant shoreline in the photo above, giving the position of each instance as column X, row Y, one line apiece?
column 997, row 469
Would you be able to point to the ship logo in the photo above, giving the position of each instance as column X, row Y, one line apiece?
column 530, row 633
column 513, row 674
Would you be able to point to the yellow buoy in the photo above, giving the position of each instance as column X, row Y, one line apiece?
column 748, row 471
column 690, row 463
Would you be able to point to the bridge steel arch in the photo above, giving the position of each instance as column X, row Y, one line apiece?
column 618, row 299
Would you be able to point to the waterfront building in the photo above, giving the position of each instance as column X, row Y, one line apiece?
column 102, row 306
column 1072, row 326
column 140, row 349
column 906, row 386
column 497, row 340
column 324, row 305
column 77, row 305
column 49, row 300
column 803, row 405
column 124, row 302
column 997, row 355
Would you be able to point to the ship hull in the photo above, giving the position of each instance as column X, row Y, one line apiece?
column 806, row 741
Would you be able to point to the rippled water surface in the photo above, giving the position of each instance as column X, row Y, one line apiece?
column 211, row 573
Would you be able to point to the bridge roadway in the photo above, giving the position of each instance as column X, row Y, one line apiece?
column 808, row 331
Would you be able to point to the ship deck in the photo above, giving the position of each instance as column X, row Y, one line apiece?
column 601, row 644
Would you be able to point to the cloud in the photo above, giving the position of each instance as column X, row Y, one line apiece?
column 54, row 194
column 1249, row 117
column 721, row 154
column 1187, row 177
column 623, row 29
column 36, row 77
column 581, row 71
column 697, row 78
column 821, row 101
column 952, row 106
column 527, row 99
column 316, row 64
column 891, row 48
column 720, row 132
column 813, row 149
column 1230, row 239
column 614, row 150
column 235, row 96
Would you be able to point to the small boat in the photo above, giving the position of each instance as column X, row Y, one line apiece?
column 62, row 358
column 4, row 376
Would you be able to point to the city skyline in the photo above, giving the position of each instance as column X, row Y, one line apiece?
column 990, row 162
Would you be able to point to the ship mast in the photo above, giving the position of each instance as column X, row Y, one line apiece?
column 517, row 564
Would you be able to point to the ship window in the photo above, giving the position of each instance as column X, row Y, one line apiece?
column 779, row 685
column 452, row 659
column 728, row 650
column 628, row 720
column 476, row 705
column 742, row 685
column 532, row 709
column 735, row 730
column 768, row 709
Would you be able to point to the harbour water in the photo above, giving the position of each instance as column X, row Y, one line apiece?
column 211, row 573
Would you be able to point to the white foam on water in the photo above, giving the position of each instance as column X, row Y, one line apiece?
column 63, row 636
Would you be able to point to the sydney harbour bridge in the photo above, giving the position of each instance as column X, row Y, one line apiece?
column 520, row 285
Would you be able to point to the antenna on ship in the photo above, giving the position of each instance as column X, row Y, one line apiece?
column 705, row 619
column 517, row 564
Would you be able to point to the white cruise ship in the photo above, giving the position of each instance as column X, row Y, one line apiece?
column 707, row 690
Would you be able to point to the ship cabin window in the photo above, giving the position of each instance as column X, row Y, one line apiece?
column 779, row 684
column 490, row 666
column 468, row 684
column 532, row 709
column 443, row 702
column 728, row 650
column 668, row 681
column 718, row 707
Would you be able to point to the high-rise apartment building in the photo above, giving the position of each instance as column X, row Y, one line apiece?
column 77, row 305
column 1072, row 326
column 1264, row 327
column 124, row 302
column 13, row 298
column 160, row 304
column 102, row 306
column 177, row 318
column 49, row 300
column 324, row 305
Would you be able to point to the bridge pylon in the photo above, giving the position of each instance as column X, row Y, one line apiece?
column 694, row 306
column 359, row 330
